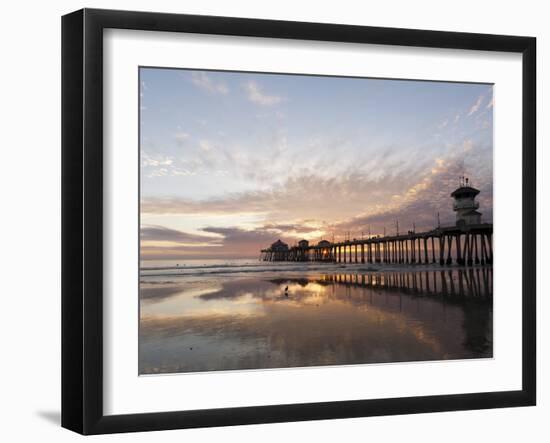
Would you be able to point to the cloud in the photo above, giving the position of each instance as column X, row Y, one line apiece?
column 147, row 160
column 313, row 207
column 163, row 243
column 159, row 172
column 204, row 82
column 443, row 124
column 245, row 202
column 239, row 236
column 205, row 145
column 256, row 95
column 181, row 137
column 431, row 194
column 156, row 233
column 291, row 227
column 475, row 107
column 164, row 166
column 491, row 103
column 457, row 118
column 299, row 197
column 329, row 195
column 331, row 200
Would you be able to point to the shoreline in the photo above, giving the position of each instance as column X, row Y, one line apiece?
column 215, row 270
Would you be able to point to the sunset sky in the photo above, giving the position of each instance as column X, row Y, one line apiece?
column 230, row 162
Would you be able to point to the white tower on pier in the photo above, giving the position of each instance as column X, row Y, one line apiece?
column 465, row 204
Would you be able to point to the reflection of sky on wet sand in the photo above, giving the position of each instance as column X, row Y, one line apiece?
column 250, row 322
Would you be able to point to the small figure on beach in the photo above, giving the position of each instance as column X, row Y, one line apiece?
column 286, row 291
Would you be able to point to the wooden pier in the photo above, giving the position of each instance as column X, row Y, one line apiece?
column 463, row 245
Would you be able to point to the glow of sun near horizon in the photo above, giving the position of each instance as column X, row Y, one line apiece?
column 231, row 162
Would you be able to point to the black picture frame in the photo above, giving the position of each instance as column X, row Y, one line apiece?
column 82, row 218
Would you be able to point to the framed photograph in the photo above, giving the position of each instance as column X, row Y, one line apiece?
column 268, row 221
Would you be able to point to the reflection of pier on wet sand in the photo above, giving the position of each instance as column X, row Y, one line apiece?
column 468, row 282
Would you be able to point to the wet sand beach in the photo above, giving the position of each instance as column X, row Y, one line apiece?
column 278, row 319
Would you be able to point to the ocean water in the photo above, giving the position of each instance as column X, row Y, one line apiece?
column 212, row 315
column 159, row 268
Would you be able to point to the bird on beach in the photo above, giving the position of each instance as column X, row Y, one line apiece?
column 286, row 291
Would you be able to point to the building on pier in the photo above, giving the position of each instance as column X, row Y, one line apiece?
column 279, row 250
column 324, row 251
column 465, row 204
